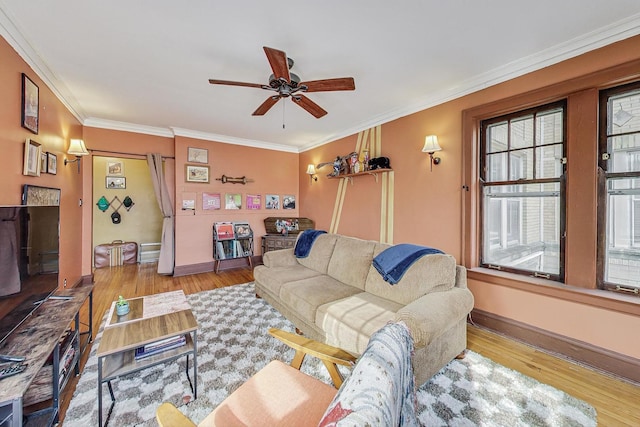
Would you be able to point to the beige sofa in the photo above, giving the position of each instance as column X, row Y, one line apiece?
column 336, row 296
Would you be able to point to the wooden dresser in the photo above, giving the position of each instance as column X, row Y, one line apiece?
column 274, row 242
column 276, row 226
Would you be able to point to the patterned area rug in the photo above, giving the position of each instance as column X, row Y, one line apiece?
column 233, row 344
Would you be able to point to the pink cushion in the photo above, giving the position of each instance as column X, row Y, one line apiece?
column 278, row 395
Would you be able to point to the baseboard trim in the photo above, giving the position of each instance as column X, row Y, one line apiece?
column 185, row 270
column 610, row 362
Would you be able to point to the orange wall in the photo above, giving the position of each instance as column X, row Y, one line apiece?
column 56, row 126
column 272, row 172
column 430, row 207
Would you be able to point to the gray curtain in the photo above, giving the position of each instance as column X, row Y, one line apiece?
column 9, row 252
column 166, row 261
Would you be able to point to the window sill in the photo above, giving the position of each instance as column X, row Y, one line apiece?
column 595, row 297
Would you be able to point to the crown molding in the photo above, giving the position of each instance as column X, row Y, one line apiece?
column 94, row 122
column 598, row 38
column 14, row 37
column 188, row 133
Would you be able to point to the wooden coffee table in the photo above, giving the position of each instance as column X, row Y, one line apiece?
column 151, row 318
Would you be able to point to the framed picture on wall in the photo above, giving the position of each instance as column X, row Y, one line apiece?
column 44, row 159
column 32, row 158
column 233, row 201
column 30, row 104
column 197, row 155
column 210, row 201
column 196, row 173
column 52, row 163
column 254, row 201
column 289, row 201
column 115, row 168
column 272, row 201
column 116, row 183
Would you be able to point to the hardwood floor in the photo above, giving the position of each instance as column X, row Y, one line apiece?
column 617, row 402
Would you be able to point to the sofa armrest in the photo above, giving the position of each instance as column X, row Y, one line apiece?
column 432, row 314
column 279, row 258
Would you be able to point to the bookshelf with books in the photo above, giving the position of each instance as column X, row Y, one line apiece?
column 231, row 241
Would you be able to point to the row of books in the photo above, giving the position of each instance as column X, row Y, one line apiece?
column 231, row 250
column 160, row 346
column 66, row 362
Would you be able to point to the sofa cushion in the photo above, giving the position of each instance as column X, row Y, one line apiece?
column 275, row 277
column 430, row 273
column 351, row 260
column 320, row 254
column 305, row 296
column 349, row 322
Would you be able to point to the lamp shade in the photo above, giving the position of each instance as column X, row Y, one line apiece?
column 77, row 148
column 431, row 144
column 311, row 170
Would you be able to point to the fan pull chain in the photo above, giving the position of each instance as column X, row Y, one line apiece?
column 283, row 107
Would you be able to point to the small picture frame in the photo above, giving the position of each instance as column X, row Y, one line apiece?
column 30, row 104
column 32, row 158
column 197, row 155
column 194, row 173
column 189, row 205
column 233, row 201
column 44, row 159
column 52, row 163
column 116, row 182
column 210, row 201
column 288, row 201
column 115, row 168
column 272, row 201
column 254, row 201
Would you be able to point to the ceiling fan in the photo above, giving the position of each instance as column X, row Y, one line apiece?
column 287, row 84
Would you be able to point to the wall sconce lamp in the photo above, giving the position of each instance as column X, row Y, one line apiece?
column 311, row 171
column 78, row 149
column 431, row 146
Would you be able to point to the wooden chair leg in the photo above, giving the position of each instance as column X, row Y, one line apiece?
column 296, row 362
column 336, row 377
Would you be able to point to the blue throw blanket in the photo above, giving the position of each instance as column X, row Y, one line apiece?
column 305, row 242
column 393, row 262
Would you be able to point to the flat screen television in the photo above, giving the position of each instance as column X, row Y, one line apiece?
column 29, row 244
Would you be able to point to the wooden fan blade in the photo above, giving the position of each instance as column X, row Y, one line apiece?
column 313, row 108
column 342, row 83
column 279, row 64
column 266, row 106
column 230, row 83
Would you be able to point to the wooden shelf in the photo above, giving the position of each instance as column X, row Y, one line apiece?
column 38, row 338
column 124, row 363
column 350, row 176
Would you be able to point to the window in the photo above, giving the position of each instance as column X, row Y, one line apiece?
column 522, row 185
column 619, row 142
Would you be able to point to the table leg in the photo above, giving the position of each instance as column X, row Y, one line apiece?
column 99, row 391
column 195, row 364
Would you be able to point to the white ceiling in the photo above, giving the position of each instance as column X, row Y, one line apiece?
column 144, row 65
